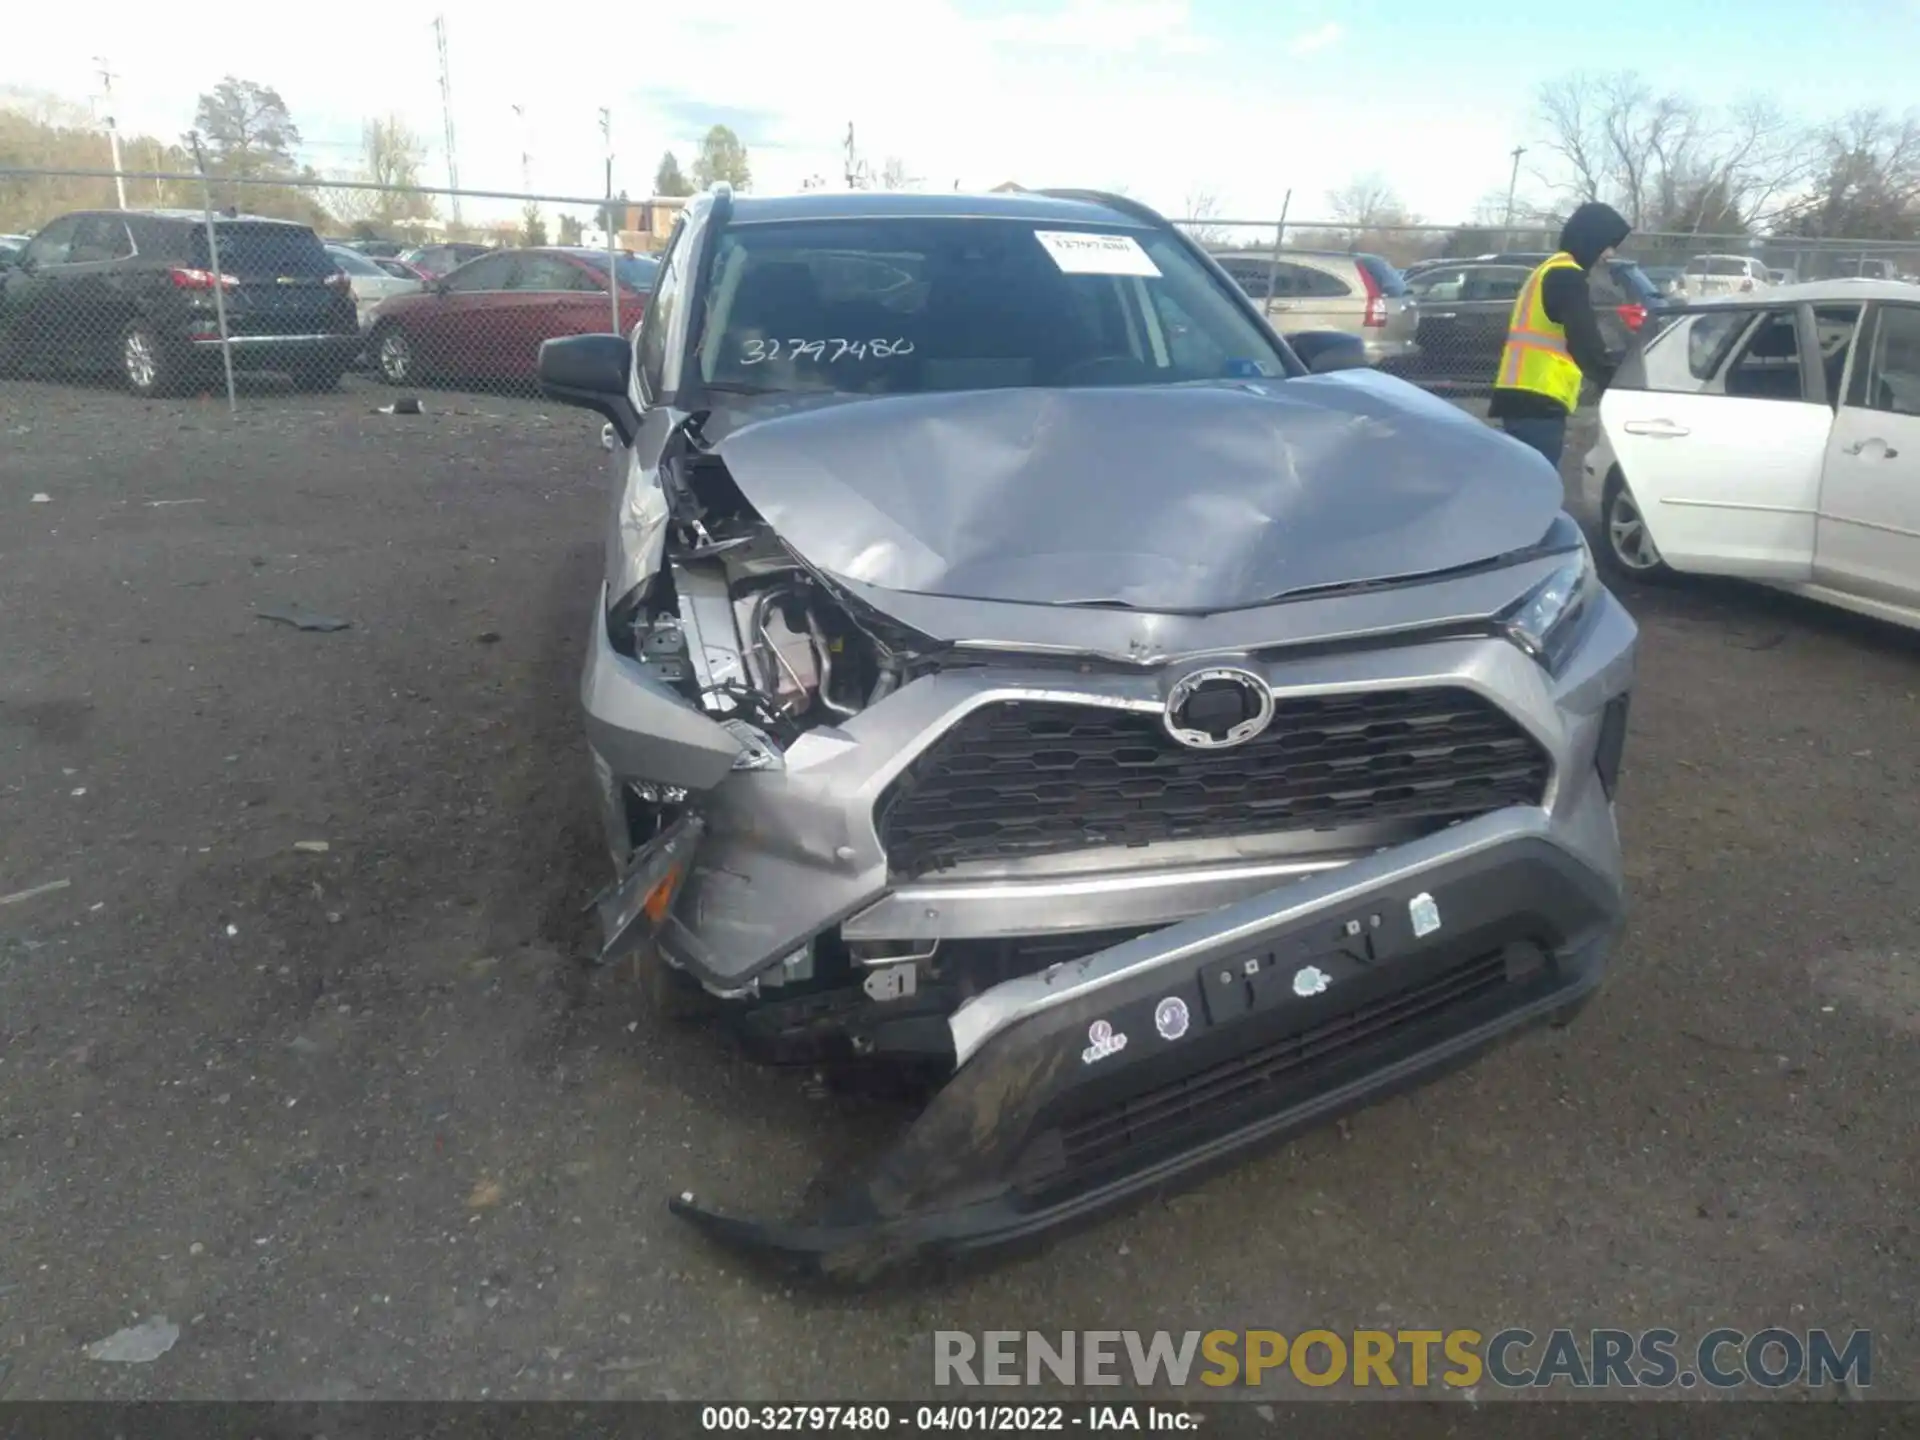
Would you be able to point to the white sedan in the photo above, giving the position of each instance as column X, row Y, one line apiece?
column 369, row 283
column 1775, row 437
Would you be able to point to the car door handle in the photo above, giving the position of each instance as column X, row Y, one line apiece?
column 1442, row 314
column 1859, row 447
column 1658, row 429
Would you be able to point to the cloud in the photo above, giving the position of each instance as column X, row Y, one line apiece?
column 1164, row 26
column 1308, row 42
column 693, row 117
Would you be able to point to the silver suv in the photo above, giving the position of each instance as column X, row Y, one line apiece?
column 1359, row 295
column 1016, row 665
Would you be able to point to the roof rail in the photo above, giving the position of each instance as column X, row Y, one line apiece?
column 1126, row 205
column 722, row 210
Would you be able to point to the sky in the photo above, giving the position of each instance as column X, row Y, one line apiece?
column 1243, row 100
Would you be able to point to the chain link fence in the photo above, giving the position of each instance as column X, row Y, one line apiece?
column 247, row 288
column 175, row 282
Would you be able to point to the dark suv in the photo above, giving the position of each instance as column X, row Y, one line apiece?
column 133, row 293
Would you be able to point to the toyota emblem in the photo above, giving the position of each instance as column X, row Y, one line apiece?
column 1218, row 707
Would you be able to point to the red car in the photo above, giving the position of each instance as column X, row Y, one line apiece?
column 485, row 320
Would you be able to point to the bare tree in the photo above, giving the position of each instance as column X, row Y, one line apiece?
column 1866, row 180
column 1199, row 210
column 894, row 176
column 1367, row 203
column 1665, row 162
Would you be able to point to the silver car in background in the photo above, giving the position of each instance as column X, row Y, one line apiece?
column 369, row 282
column 1356, row 294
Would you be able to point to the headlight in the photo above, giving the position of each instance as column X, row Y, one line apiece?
column 1546, row 623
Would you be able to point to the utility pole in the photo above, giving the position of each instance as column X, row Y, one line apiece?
column 1513, row 181
column 856, row 168
column 526, row 152
column 446, row 110
column 613, row 243
column 107, row 77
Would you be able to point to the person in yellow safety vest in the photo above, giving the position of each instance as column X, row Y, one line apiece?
column 1553, row 336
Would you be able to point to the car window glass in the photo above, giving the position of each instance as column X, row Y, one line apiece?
column 354, row 263
column 545, row 272
column 91, row 242
column 50, row 246
column 1767, row 364
column 491, row 272
column 667, row 286
column 1439, row 284
column 1319, row 285
column 1833, row 328
column 903, row 305
column 1290, row 281
column 1726, row 266
column 1249, row 276
column 261, row 251
column 1895, row 382
column 1686, row 356
column 1503, row 284
column 1189, row 346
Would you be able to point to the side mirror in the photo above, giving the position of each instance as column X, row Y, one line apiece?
column 1325, row 351
column 592, row 372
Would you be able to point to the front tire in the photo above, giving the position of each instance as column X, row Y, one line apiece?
column 1627, row 548
column 393, row 356
column 146, row 369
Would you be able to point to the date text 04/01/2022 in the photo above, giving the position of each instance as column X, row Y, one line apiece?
column 943, row 1419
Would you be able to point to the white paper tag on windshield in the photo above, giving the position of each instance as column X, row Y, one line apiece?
column 1078, row 253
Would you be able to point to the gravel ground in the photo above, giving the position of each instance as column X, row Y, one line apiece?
column 353, row 1119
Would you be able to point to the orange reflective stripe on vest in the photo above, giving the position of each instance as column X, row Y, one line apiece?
column 1535, row 356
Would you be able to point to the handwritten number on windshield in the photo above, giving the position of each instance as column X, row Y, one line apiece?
column 824, row 352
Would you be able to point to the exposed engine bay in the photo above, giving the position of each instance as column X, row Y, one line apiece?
column 742, row 629
column 738, row 626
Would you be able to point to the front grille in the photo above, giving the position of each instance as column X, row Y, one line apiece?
column 1020, row 778
column 1268, row 1077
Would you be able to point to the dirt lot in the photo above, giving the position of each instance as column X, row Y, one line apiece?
column 354, row 1120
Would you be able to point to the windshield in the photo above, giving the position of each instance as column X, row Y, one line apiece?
column 898, row 306
column 636, row 272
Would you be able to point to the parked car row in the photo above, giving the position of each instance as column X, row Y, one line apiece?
column 139, row 295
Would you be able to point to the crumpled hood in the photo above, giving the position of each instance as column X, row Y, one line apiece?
column 1166, row 498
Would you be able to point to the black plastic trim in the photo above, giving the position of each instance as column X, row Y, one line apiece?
column 979, row 1171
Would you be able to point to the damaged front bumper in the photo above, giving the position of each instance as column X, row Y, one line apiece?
column 1163, row 1057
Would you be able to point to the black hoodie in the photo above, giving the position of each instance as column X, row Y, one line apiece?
column 1591, row 228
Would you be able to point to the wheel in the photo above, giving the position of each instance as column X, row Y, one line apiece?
column 318, row 375
column 1626, row 545
column 145, row 367
column 393, row 357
